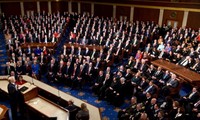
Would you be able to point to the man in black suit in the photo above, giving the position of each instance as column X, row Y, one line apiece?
column 165, row 77
column 8, row 68
column 72, row 109
column 75, row 73
column 68, row 71
column 98, row 83
column 171, row 83
column 125, row 113
column 51, row 73
column 191, row 98
column 93, row 54
column 16, row 98
column 86, row 52
column 149, row 89
column 143, row 66
column 71, row 106
column 89, row 73
column 157, row 75
column 105, row 84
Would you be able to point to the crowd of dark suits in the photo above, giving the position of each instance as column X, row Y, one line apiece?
column 139, row 42
column 41, row 28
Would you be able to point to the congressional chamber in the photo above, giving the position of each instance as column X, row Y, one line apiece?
column 99, row 60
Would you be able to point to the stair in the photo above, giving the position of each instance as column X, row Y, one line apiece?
column 61, row 43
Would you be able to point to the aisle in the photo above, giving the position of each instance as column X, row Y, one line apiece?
column 3, row 54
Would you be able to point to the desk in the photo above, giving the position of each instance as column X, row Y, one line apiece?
column 41, row 45
column 3, row 112
column 90, row 47
column 31, row 98
column 93, row 111
column 28, row 94
column 48, row 108
column 188, row 75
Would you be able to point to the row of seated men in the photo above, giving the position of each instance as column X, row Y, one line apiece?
column 93, row 30
column 37, row 28
column 151, row 109
column 173, row 45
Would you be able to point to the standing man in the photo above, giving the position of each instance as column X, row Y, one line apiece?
column 16, row 99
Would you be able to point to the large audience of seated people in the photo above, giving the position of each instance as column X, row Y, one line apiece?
column 37, row 28
column 130, row 45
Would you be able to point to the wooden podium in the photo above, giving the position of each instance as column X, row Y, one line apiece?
column 4, row 113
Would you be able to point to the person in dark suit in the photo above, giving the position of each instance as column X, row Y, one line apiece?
column 184, row 61
column 165, row 77
column 70, row 106
column 93, row 54
column 86, row 52
column 143, row 66
column 73, row 110
column 83, row 114
column 106, row 83
column 75, row 73
column 174, row 110
column 157, row 75
column 8, row 68
column 142, row 85
column 149, row 89
column 79, row 79
column 98, row 82
column 112, row 89
column 42, row 60
column 118, row 97
column 130, row 62
column 126, row 49
column 196, row 65
column 137, row 112
column 51, row 71
column 125, row 113
column 79, row 51
column 161, row 115
column 19, row 69
column 171, row 83
column 180, row 115
column 150, row 71
column 67, row 73
column 16, row 98
column 191, row 98
column 60, row 72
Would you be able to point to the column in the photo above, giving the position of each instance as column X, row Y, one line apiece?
column 49, row 7
column 70, row 7
column 38, row 6
column 114, row 12
column 22, row 8
column 185, row 18
column 92, row 8
column 160, row 20
column 131, row 13
column 79, row 7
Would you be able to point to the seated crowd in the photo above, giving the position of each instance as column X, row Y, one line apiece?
column 140, row 42
column 37, row 28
